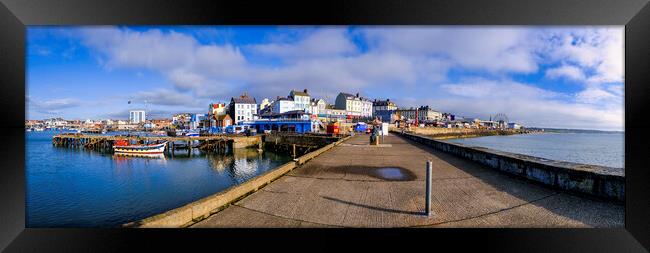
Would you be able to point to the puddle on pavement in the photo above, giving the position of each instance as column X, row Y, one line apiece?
column 383, row 173
column 390, row 173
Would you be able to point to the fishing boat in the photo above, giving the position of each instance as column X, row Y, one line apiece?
column 123, row 147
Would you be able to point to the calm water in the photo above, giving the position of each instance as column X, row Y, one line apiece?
column 606, row 149
column 79, row 188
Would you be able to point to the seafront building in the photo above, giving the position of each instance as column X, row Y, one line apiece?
column 181, row 120
column 426, row 114
column 318, row 107
column 334, row 113
column 297, row 100
column 137, row 116
column 407, row 114
column 197, row 121
column 296, row 106
column 242, row 108
column 301, row 100
column 383, row 105
column 514, row 126
column 354, row 105
column 385, row 110
column 282, row 105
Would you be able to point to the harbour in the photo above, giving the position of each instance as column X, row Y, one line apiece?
column 303, row 153
column 82, row 187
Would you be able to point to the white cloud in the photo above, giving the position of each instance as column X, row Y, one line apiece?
column 165, row 97
column 481, row 48
column 494, row 89
column 531, row 105
column 566, row 71
column 324, row 42
column 594, row 95
column 53, row 104
column 410, row 64
column 598, row 51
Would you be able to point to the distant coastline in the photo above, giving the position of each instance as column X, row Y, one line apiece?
column 565, row 130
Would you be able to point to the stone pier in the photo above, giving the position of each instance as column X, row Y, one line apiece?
column 358, row 185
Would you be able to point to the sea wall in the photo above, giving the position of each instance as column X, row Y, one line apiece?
column 247, row 142
column 191, row 213
column 599, row 181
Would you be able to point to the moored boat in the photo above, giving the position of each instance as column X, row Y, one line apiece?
column 122, row 146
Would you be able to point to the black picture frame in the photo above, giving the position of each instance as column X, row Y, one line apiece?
column 15, row 15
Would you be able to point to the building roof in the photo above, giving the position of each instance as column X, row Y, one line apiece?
column 350, row 96
column 283, row 99
column 386, row 102
column 347, row 95
column 299, row 93
column 244, row 99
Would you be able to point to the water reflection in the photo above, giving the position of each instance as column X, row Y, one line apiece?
column 85, row 188
column 240, row 164
column 125, row 156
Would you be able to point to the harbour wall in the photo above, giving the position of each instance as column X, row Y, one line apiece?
column 599, row 181
column 193, row 212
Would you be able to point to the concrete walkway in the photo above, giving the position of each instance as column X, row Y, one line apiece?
column 356, row 185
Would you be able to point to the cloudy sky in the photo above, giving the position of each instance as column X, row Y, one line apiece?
column 567, row 77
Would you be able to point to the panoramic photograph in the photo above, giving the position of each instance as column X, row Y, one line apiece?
column 324, row 126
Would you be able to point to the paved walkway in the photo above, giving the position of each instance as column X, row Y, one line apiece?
column 356, row 185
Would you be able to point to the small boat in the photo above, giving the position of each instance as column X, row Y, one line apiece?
column 161, row 133
column 122, row 146
column 192, row 134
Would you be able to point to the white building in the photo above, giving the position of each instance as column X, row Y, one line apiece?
column 383, row 105
column 136, row 116
column 354, row 105
column 425, row 113
column 282, row 105
column 243, row 108
column 514, row 126
column 333, row 112
column 56, row 122
column 318, row 106
column 301, row 99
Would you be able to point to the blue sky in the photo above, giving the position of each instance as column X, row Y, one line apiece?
column 569, row 77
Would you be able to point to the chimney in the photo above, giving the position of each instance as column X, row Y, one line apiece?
column 357, row 94
column 388, row 100
column 305, row 90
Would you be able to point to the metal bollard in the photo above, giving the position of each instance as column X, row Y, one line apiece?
column 428, row 189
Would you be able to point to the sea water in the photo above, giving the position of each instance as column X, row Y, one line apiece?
column 68, row 187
